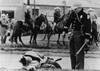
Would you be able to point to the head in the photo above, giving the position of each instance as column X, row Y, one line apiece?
column 57, row 9
column 42, row 16
column 27, row 11
column 26, row 61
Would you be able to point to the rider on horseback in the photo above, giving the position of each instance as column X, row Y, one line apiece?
column 57, row 17
column 28, row 18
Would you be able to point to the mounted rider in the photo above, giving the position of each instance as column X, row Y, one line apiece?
column 28, row 18
column 57, row 17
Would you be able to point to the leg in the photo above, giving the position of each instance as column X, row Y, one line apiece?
column 35, row 37
column 44, row 37
column 72, row 53
column 31, row 38
column 64, row 35
column 58, row 38
column 4, row 39
column 79, row 41
column 15, row 39
column 48, row 35
column 20, row 39
column 1, row 39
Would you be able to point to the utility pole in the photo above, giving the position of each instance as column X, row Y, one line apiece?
column 28, row 2
column 64, row 2
column 34, row 9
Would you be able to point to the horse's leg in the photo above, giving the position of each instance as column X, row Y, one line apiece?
column 15, row 39
column 31, row 38
column 35, row 37
column 58, row 38
column 48, row 36
column 64, row 38
column 20, row 39
column 11, row 38
column 44, row 37
column 96, row 40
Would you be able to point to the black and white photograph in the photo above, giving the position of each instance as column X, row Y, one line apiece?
column 49, row 35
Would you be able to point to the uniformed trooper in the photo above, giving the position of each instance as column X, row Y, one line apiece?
column 79, row 36
column 28, row 18
column 57, row 15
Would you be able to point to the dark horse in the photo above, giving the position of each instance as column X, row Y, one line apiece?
column 18, row 28
column 59, row 28
column 38, row 21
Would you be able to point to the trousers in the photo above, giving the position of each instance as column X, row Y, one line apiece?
column 77, row 40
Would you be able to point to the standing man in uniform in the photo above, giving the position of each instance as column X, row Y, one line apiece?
column 80, row 35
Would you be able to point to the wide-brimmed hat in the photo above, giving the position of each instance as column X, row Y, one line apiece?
column 57, row 8
column 90, row 10
column 76, row 5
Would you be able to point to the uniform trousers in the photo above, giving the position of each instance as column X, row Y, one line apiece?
column 77, row 40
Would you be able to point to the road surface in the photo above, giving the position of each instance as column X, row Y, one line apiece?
column 11, row 61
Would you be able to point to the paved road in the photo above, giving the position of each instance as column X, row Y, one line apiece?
column 10, row 61
column 39, row 39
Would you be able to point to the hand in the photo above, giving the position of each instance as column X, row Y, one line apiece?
column 86, row 40
column 69, row 33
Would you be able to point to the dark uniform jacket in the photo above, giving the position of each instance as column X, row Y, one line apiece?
column 27, row 17
column 56, row 17
column 83, row 24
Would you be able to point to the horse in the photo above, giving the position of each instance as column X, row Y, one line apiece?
column 18, row 29
column 37, row 24
column 59, row 28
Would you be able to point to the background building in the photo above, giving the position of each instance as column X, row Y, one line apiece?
column 16, row 8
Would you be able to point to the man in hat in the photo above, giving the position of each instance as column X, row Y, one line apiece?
column 28, row 18
column 4, row 27
column 80, row 35
column 57, row 15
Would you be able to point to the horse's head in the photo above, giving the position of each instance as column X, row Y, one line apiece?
column 42, row 16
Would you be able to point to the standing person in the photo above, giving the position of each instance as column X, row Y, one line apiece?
column 80, row 35
column 4, row 26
